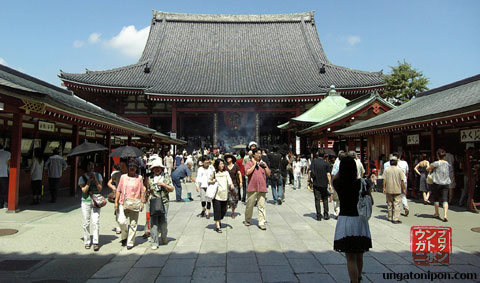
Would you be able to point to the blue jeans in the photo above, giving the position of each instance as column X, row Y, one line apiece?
column 297, row 182
column 178, row 188
column 158, row 224
column 276, row 182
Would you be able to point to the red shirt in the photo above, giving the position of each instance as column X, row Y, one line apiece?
column 257, row 181
column 240, row 165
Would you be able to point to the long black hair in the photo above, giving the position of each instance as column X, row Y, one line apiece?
column 38, row 154
column 217, row 164
column 347, row 172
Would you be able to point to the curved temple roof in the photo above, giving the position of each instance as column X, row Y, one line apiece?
column 244, row 55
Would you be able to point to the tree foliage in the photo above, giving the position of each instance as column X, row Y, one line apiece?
column 404, row 83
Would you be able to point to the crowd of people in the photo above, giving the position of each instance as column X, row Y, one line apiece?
column 222, row 180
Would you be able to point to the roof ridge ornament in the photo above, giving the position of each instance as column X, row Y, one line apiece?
column 184, row 17
column 332, row 91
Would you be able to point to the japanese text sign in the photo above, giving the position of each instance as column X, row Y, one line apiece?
column 431, row 245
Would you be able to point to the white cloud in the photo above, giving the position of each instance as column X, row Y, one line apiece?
column 78, row 43
column 129, row 41
column 3, row 62
column 94, row 37
column 353, row 39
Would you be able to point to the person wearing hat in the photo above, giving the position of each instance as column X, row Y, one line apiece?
column 393, row 187
column 159, row 185
column 130, row 186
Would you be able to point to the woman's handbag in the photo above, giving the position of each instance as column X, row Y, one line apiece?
column 211, row 191
column 430, row 178
column 364, row 205
column 111, row 197
column 132, row 204
column 98, row 200
column 157, row 207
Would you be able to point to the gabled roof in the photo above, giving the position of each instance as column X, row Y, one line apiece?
column 461, row 97
column 349, row 110
column 324, row 109
column 230, row 55
column 39, row 91
column 327, row 107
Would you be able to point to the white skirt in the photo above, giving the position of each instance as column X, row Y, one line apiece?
column 352, row 235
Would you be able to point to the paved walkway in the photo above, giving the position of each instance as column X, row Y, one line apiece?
column 295, row 247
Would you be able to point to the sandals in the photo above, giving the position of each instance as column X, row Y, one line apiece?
column 87, row 247
column 436, row 217
column 445, row 220
column 96, row 248
column 247, row 224
column 218, row 230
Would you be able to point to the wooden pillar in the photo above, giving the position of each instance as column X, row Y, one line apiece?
column 174, row 118
column 108, row 164
column 351, row 144
column 129, row 141
column 432, row 142
column 257, row 128
column 215, row 129
column 362, row 152
column 14, row 174
column 74, row 162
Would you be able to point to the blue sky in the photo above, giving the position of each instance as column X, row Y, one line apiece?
column 438, row 37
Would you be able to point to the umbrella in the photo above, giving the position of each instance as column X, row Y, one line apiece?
column 126, row 151
column 87, row 147
column 240, row 146
column 330, row 152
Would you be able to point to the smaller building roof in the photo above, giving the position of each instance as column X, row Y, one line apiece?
column 327, row 107
column 58, row 98
column 458, row 98
column 349, row 110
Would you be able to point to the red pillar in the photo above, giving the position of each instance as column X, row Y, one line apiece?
column 15, row 150
column 174, row 118
column 74, row 162
column 432, row 142
column 108, row 165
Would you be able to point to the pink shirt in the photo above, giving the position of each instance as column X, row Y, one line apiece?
column 130, row 187
column 257, row 181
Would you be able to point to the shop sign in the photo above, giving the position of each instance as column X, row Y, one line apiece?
column 471, row 135
column 173, row 135
column 90, row 133
column 413, row 139
column 46, row 126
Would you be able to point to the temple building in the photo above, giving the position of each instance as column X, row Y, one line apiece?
column 223, row 80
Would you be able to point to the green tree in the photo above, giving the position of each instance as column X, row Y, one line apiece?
column 404, row 83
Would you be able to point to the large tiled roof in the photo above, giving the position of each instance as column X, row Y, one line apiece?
column 39, row 91
column 202, row 55
column 457, row 98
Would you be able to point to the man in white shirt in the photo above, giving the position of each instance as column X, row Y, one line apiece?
column 55, row 166
column 360, row 169
column 4, row 164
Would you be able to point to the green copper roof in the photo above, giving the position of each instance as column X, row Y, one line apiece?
column 284, row 125
column 329, row 106
column 348, row 110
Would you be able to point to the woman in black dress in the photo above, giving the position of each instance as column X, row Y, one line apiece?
column 352, row 233
column 421, row 170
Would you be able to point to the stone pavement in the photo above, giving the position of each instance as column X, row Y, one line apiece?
column 294, row 248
